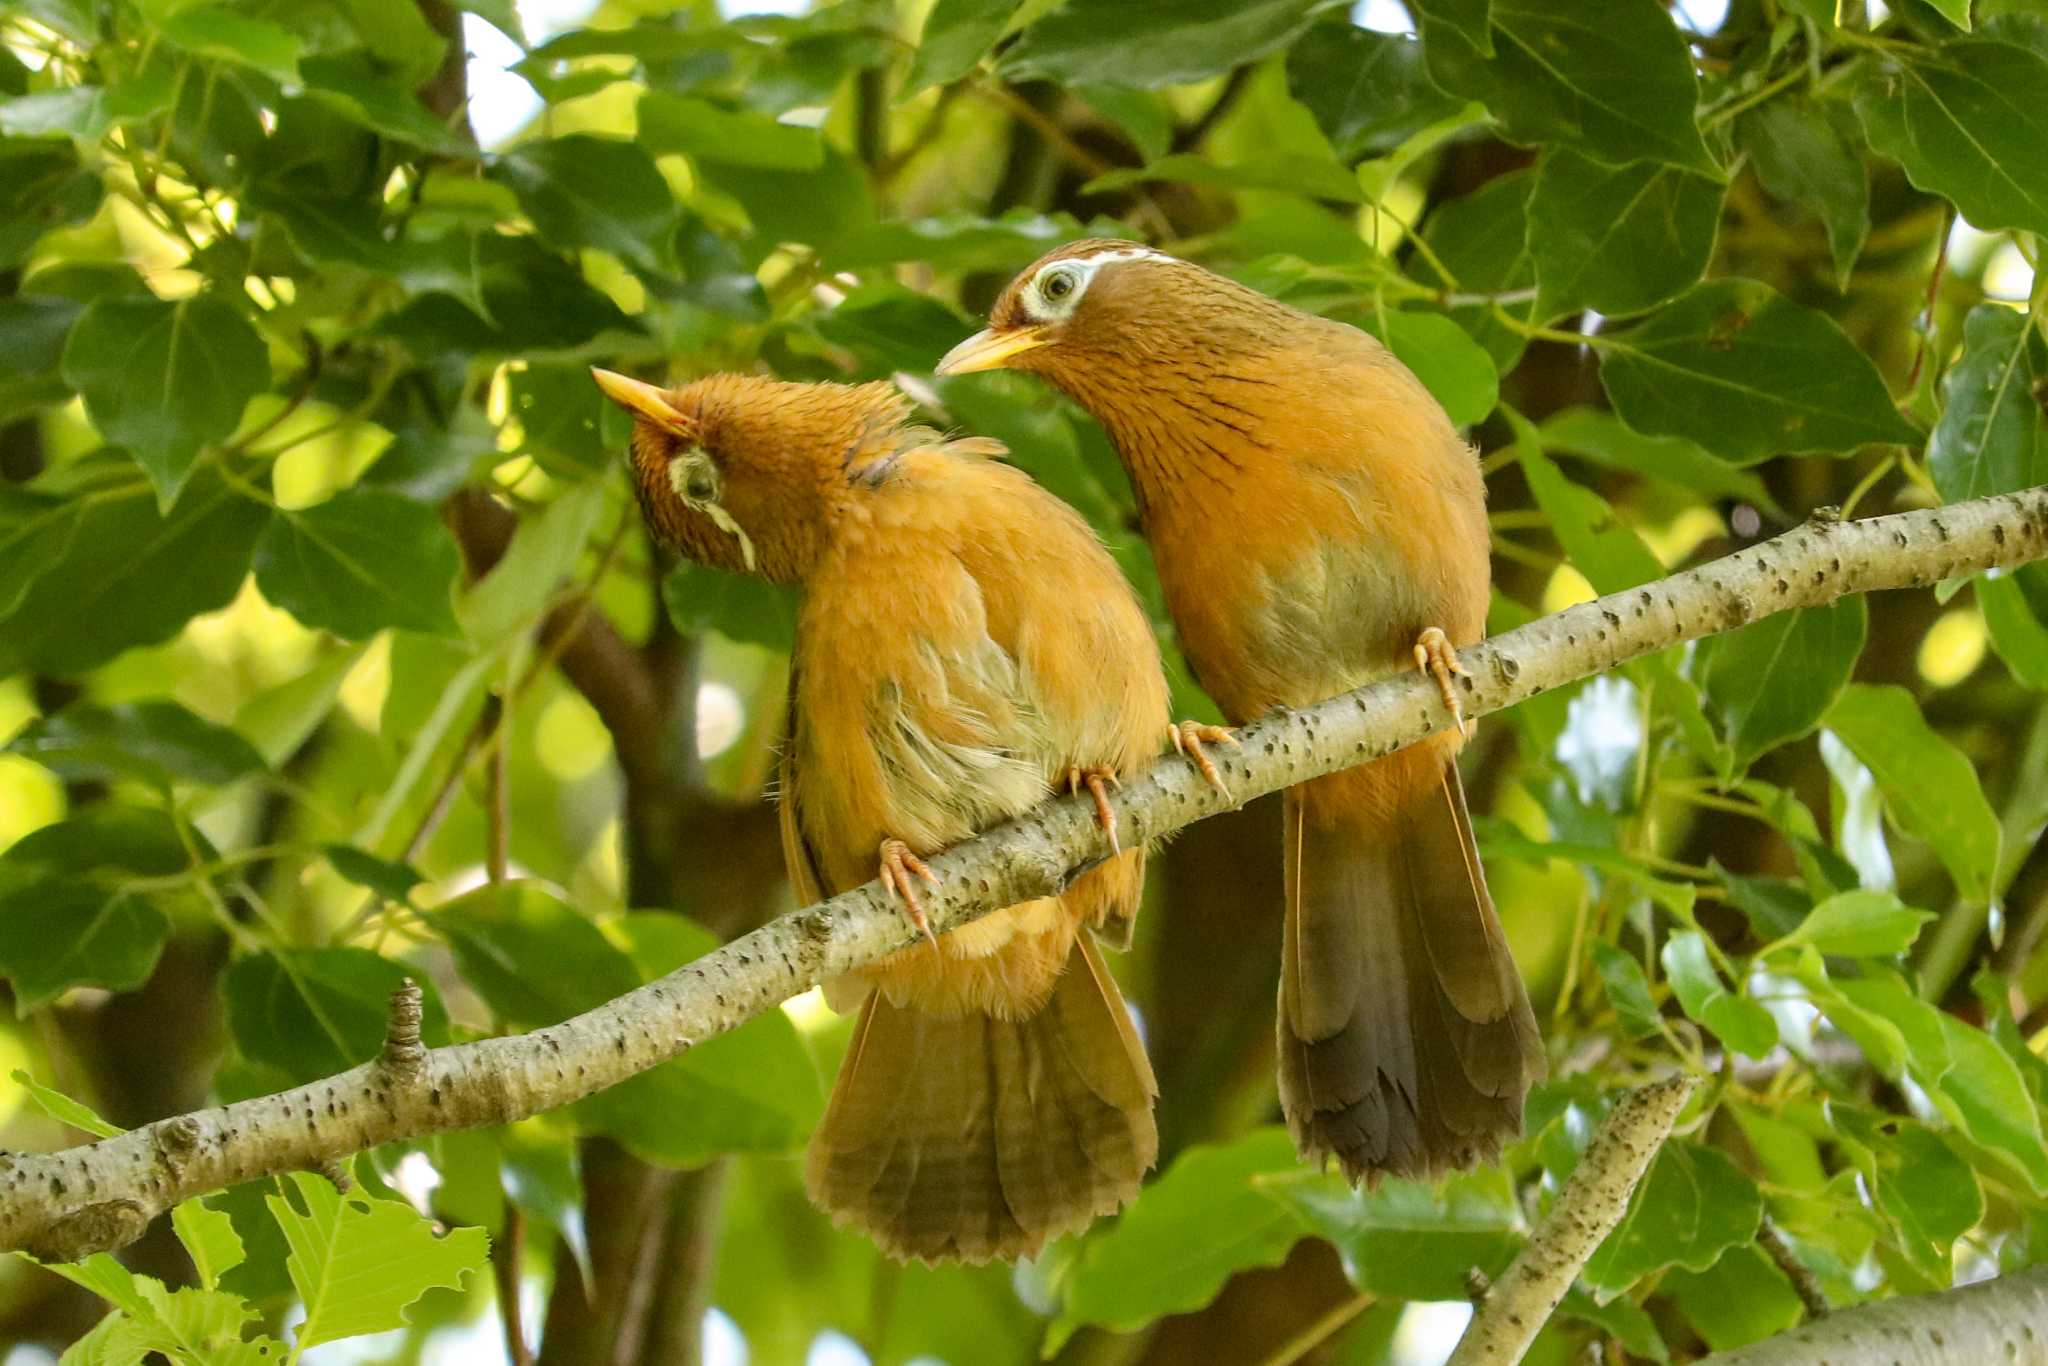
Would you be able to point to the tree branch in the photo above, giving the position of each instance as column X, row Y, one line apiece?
column 2002, row 1320
column 1513, row 1311
column 64, row 1205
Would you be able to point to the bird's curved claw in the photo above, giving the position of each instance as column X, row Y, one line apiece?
column 1098, row 779
column 897, row 865
column 1437, row 657
column 1188, row 738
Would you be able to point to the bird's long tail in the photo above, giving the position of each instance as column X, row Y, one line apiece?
column 1406, row 1040
column 967, row 1137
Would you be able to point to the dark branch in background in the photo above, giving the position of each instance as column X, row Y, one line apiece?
column 64, row 1205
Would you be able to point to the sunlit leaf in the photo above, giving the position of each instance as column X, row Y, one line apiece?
column 1929, row 786
column 1693, row 1205
column 358, row 1264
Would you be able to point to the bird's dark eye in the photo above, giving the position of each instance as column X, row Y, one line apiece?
column 1057, row 285
column 701, row 484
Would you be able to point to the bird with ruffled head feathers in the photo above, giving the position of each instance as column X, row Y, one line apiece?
column 964, row 646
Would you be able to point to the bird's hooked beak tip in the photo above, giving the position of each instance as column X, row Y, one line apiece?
column 989, row 349
column 639, row 398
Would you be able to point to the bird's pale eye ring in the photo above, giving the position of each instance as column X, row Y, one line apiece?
column 694, row 477
column 1058, row 283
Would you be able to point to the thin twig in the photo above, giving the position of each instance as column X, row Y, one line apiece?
column 1804, row 1283
column 1518, row 1304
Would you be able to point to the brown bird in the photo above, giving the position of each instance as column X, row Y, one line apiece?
column 964, row 644
column 1318, row 524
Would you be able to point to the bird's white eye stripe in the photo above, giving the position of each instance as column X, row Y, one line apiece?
column 1056, row 290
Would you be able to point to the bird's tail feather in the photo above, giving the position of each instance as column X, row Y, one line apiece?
column 1406, row 1040
column 967, row 1137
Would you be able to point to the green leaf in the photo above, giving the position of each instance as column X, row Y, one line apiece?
column 1601, row 546
column 358, row 1264
column 399, row 35
column 739, row 607
column 209, row 1238
column 391, row 880
column 89, row 112
column 352, row 86
column 63, row 1108
column 893, row 328
column 703, row 131
column 1929, row 787
column 1618, row 239
column 1287, row 172
column 1927, row 1189
column 1620, row 1318
column 42, row 189
column 59, row 934
column 225, row 35
column 1693, row 1205
column 1599, row 436
column 1742, row 1024
column 1453, row 367
column 164, row 379
column 1740, row 1299
column 2017, row 632
column 1408, row 1239
column 1612, row 78
column 362, row 561
column 1111, row 42
column 544, row 551
column 754, row 1089
column 1470, row 20
column 278, row 720
column 32, row 333
column 330, row 229
column 155, row 741
column 35, row 531
column 1990, row 436
column 1989, row 1098
column 1748, row 375
column 1960, row 119
column 1772, row 681
column 1369, row 92
column 1188, row 1232
column 1803, row 152
column 1482, row 238
column 957, row 242
column 314, row 1012
column 820, row 207
column 589, row 191
column 561, row 415
column 1860, row 924
column 1628, row 990
column 532, row 958
column 956, row 34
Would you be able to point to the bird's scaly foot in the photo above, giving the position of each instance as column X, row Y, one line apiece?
column 1435, row 656
column 1098, row 779
column 1188, row 738
column 898, row 863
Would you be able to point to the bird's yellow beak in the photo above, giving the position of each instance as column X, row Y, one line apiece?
column 989, row 349
column 639, row 398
